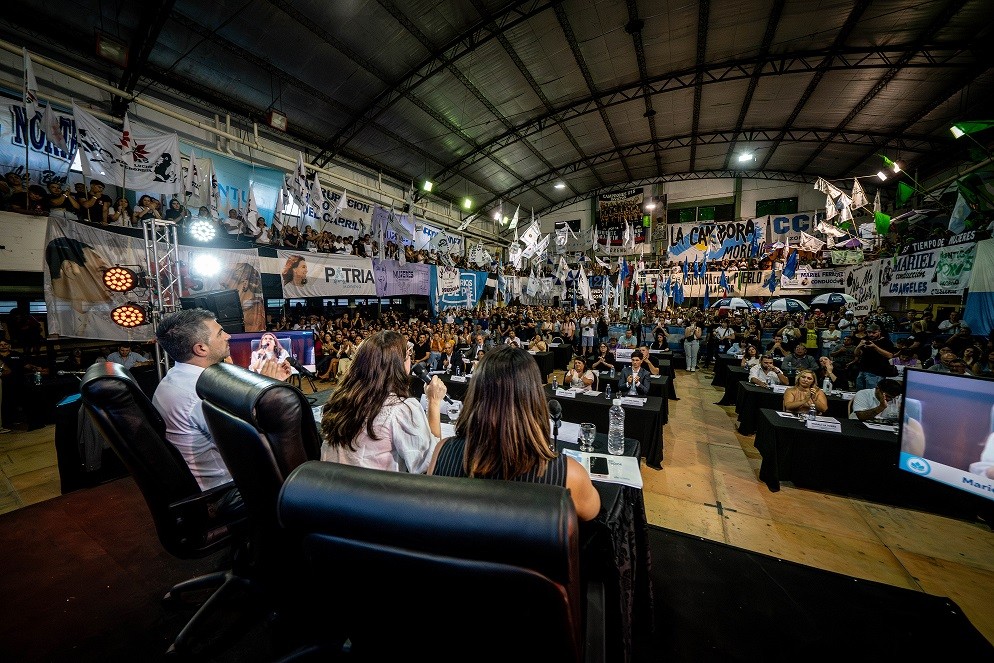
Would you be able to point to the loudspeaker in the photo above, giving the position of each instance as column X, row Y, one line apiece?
column 224, row 304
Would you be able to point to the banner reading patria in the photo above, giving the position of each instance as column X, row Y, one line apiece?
column 306, row 274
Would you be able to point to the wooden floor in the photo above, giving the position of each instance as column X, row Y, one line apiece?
column 709, row 487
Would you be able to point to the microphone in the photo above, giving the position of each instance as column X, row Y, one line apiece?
column 292, row 360
column 556, row 412
column 419, row 371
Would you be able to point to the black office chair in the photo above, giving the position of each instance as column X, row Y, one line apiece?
column 186, row 518
column 444, row 569
column 264, row 429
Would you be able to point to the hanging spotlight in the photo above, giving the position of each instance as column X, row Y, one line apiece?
column 560, row 185
column 896, row 166
column 747, row 156
column 957, row 132
column 129, row 315
column 205, row 264
column 882, row 175
column 202, row 230
column 121, row 279
column 467, row 203
column 427, row 186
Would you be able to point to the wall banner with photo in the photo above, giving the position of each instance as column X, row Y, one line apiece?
column 614, row 211
column 396, row 280
column 307, row 274
column 46, row 162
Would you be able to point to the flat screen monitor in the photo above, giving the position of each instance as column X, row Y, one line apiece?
column 300, row 344
column 948, row 430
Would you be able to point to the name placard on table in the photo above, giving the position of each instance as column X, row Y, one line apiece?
column 828, row 426
column 457, row 378
column 565, row 393
column 632, row 400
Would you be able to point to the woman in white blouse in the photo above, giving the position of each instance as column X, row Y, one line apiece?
column 371, row 422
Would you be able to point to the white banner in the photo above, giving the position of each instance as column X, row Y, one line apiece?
column 140, row 160
column 47, row 162
column 863, row 283
column 307, row 274
column 723, row 240
column 807, row 279
column 942, row 271
column 355, row 219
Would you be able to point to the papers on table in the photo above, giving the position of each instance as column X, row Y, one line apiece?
column 457, row 378
column 568, row 431
column 621, row 469
column 889, row 428
column 787, row 415
column 436, row 372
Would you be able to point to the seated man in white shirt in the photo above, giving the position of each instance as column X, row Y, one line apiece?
column 628, row 340
column 880, row 402
column 766, row 373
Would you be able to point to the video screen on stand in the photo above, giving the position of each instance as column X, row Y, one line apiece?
column 298, row 344
column 948, row 430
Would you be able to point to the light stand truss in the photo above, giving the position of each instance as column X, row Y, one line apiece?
column 164, row 280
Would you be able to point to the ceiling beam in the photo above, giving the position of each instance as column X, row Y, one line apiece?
column 703, row 14
column 634, row 28
column 946, row 56
column 153, row 17
column 764, row 49
column 840, row 39
column 581, row 64
column 934, row 26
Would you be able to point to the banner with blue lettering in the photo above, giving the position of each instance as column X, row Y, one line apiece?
column 46, row 162
column 306, row 274
column 396, row 280
column 719, row 240
column 233, row 179
column 455, row 288
column 788, row 227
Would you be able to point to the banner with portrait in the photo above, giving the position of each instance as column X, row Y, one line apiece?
column 306, row 274
column 714, row 240
column 236, row 269
column 863, row 283
column 615, row 211
column 78, row 304
column 396, row 280
column 46, row 162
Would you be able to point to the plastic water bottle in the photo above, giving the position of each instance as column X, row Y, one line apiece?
column 812, row 412
column 616, row 429
column 458, row 369
column 769, row 381
column 607, row 392
column 612, row 372
column 555, row 383
column 826, row 385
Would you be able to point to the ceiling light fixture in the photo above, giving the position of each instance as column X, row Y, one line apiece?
column 968, row 127
column 560, row 185
column 467, row 203
column 747, row 156
column 882, row 175
column 651, row 206
column 427, row 186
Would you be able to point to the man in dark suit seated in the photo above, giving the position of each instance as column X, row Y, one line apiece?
column 634, row 378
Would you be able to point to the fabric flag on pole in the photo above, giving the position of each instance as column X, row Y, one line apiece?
column 532, row 287
column 53, row 128
column 961, row 210
column 583, row 287
column 141, row 160
column 215, row 194
column 790, row 266
column 903, row 195
column 858, row 195
column 877, row 207
column 723, row 282
column 280, row 204
column 465, row 224
column 251, row 210
column 686, row 268
column 316, row 199
column 190, row 185
column 882, row 222
column 342, row 202
column 514, row 219
column 771, row 283
column 299, row 187
column 810, row 243
column 678, row 294
column 30, row 88
column 829, row 229
column 707, row 297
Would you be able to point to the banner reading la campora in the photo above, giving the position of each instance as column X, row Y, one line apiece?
column 305, row 274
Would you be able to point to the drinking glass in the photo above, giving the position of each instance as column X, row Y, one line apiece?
column 455, row 407
column 587, row 434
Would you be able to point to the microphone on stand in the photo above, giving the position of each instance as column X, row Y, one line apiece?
column 292, row 360
column 419, row 371
column 556, row 412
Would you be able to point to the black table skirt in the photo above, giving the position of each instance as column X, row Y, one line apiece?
column 752, row 398
column 733, row 376
column 561, row 356
column 644, row 423
column 546, row 364
column 615, row 550
column 721, row 364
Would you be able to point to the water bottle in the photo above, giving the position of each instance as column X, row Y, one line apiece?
column 38, row 377
column 458, row 369
column 555, row 383
column 616, row 429
column 607, row 392
column 812, row 412
column 769, row 381
column 612, row 372
column 826, row 385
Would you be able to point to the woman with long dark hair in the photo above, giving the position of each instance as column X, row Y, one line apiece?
column 503, row 432
column 371, row 422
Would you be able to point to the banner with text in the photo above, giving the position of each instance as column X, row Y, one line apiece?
column 46, row 162
column 394, row 279
column 306, row 274
column 456, row 288
column 863, row 283
column 614, row 212
column 943, row 271
column 718, row 240
column 787, row 228
column 355, row 219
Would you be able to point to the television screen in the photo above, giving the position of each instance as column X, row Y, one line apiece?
column 300, row 344
column 948, row 431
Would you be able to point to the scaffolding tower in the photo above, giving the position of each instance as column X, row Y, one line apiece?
column 164, row 280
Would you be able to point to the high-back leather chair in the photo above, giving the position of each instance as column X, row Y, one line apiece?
column 264, row 429
column 441, row 568
column 186, row 518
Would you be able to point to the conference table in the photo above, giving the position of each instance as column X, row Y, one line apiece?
column 752, row 398
column 659, row 385
column 614, row 549
column 642, row 422
column 857, row 461
column 721, row 364
column 546, row 363
column 733, row 376
column 663, row 359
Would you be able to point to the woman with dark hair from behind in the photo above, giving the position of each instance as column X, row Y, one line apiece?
column 371, row 422
column 503, row 432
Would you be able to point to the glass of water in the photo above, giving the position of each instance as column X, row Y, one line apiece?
column 455, row 407
column 587, row 434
